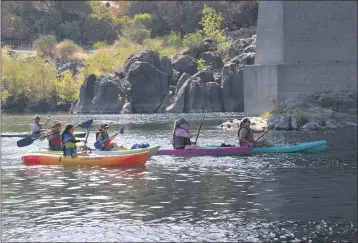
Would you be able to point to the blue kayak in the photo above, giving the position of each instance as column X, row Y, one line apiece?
column 307, row 147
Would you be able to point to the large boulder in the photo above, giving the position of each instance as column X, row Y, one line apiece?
column 109, row 97
column 205, row 75
column 86, row 94
column 148, row 87
column 232, row 85
column 127, row 108
column 212, row 59
column 150, row 56
column 214, row 97
column 179, row 98
column 238, row 46
column 185, row 64
column 167, row 66
column 197, row 98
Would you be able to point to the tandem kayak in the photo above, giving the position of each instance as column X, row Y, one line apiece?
column 307, row 147
column 152, row 151
column 225, row 151
column 136, row 159
column 34, row 135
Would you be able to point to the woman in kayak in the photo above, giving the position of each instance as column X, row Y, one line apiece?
column 37, row 126
column 54, row 136
column 246, row 135
column 106, row 143
column 181, row 136
column 69, row 141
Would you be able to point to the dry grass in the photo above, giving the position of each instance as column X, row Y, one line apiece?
column 66, row 48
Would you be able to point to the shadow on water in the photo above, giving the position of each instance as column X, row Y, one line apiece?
column 264, row 197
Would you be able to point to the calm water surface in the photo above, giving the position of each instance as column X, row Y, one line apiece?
column 266, row 197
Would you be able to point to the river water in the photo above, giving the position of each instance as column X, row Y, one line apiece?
column 266, row 197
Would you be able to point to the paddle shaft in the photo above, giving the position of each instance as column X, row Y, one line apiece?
column 266, row 132
column 201, row 124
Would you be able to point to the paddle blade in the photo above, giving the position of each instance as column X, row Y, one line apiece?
column 86, row 124
column 122, row 130
column 25, row 142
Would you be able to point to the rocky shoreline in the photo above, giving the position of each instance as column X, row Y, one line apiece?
column 316, row 111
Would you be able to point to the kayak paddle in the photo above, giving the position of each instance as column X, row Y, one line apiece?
column 266, row 131
column 29, row 140
column 201, row 124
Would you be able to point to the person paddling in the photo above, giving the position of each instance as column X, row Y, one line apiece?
column 181, row 135
column 37, row 126
column 246, row 135
column 69, row 141
column 54, row 141
column 108, row 143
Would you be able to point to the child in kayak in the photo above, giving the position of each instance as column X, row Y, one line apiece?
column 37, row 126
column 181, row 136
column 105, row 142
column 69, row 141
column 54, row 136
column 246, row 135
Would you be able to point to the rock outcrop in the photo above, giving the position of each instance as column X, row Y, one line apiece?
column 316, row 111
column 149, row 86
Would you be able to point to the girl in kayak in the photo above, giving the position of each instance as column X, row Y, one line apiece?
column 105, row 142
column 246, row 135
column 37, row 126
column 181, row 136
column 54, row 136
column 69, row 141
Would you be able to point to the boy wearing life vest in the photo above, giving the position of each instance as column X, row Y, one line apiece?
column 36, row 127
column 54, row 136
column 105, row 142
column 246, row 135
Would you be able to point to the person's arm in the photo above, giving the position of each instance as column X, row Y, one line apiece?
column 242, row 138
column 48, row 119
column 187, row 135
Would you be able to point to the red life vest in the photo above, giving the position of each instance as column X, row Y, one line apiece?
column 55, row 142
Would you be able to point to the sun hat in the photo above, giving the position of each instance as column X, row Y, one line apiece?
column 54, row 123
column 37, row 117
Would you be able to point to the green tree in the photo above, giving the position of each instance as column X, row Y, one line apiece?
column 211, row 23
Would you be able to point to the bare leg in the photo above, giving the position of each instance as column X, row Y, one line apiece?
column 114, row 146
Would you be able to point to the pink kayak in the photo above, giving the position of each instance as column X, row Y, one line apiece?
column 224, row 151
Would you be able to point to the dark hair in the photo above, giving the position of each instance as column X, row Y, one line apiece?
column 68, row 127
column 243, row 121
column 176, row 125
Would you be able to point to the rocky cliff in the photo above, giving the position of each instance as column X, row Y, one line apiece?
column 149, row 83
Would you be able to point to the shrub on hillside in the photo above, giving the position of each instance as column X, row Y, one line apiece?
column 29, row 81
column 193, row 40
column 45, row 45
column 136, row 33
column 66, row 49
column 100, row 45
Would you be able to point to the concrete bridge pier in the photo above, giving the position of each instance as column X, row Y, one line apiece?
column 301, row 47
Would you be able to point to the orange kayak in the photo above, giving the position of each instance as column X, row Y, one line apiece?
column 91, row 160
